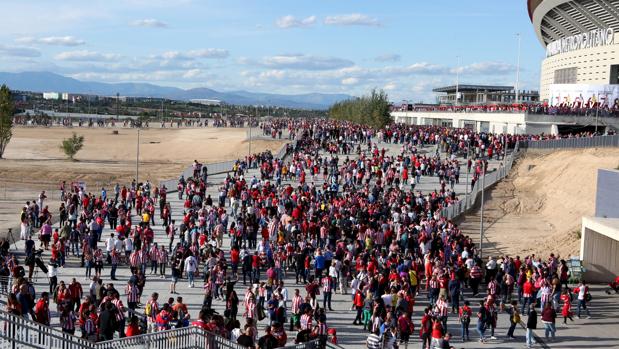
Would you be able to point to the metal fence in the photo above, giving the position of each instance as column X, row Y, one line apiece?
column 215, row 168
column 566, row 143
column 491, row 178
column 6, row 285
column 18, row 332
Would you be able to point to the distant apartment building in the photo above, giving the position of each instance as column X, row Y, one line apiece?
column 51, row 95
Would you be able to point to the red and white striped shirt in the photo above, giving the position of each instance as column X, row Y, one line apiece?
column 321, row 329
column 154, row 309
column 306, row 322
column 296, row 304
column 134, row 259
column 327, row 284
column 120, row 314
column 162, row 256
column 133, row 294
column 442, row 308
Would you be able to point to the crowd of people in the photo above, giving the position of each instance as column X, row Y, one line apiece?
column 574, row 109
column 339, row 211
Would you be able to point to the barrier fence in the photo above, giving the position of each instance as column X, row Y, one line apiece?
column 567, row 143
column 19, row 332
column 491, row 178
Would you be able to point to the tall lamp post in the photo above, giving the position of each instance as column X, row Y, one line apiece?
column 518, row 71
column 457, row 80
column 137, row 160
column 481, row 219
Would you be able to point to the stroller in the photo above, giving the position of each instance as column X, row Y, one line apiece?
column 614, row 286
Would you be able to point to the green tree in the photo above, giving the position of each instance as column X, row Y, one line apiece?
column 6, row 118
column 371, row 110
column 72, row 145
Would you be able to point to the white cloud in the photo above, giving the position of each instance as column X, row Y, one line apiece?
column 390, row 86
column 51, row 40
column 388, row 57
column 292, row 22
column 195, row 54
column 19, row 51
column 87, row 56
column 350, row 81
column 192, row 74
column 149, row 23
column 301, row 62
column 352, row 19
column 488, row 68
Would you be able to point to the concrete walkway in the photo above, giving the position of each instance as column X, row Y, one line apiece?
column 576, row 336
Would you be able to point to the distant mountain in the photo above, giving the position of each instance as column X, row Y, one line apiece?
column 51, row 82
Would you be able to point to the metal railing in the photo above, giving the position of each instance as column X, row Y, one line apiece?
column 6, row 285
column 215, row 168
column 18, row 332
column 491, row 178
column 180, row 338
column 566, row 143
column 462, row 206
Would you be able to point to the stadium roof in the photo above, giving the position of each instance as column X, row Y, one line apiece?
column 472, row 88
column 557, row 19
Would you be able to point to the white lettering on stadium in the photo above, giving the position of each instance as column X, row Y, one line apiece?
column 594, row 38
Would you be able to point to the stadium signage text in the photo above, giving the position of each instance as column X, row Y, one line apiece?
column 593, row 38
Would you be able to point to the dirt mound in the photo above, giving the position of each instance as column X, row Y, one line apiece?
column 538, row 209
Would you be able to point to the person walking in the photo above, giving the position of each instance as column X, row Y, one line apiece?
column 548, row 318
column 482, row 319
column 514, row 319
column 531, row 325
column 464, row 315
column 583, row 297
column 190, row 267
column 566, row 310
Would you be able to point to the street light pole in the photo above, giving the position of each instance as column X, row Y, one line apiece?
column 137, row 160
column 481, row 220
column 518, row 70
column 457, row 80
column 468, row 153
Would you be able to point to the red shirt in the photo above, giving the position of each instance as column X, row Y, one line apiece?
column 132, row 330
column 234, row 256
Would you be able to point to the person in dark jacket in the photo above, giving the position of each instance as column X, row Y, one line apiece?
column 531, row 325
column 454, row 294
column 107, row 322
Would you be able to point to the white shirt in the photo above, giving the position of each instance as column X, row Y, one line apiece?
column 284, row 294
column 109, row 246
column 128, row 245
column 53, row 271
column 191, row 264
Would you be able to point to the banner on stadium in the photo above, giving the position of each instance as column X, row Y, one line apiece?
column 583, row 95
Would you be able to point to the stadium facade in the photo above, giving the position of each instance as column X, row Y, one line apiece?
column 581, row 38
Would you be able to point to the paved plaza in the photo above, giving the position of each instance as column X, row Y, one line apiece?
column 577, row 335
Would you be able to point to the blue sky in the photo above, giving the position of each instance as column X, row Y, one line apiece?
column 406, row 47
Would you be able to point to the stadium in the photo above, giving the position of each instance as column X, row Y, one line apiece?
column 579, row 80
column 582, row 60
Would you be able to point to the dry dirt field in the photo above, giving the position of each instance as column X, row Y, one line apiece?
column 538, row 209
column 34, row 161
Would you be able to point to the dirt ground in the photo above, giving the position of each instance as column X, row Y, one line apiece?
column 34, row 161
column 538, row 209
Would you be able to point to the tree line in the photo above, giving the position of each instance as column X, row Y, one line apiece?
column 371, row 110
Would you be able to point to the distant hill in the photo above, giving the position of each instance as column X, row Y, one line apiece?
column 51, row 82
